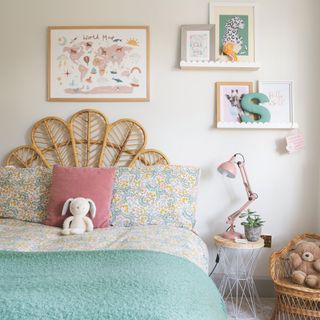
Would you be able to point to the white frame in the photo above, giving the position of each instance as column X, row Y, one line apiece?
column 290, row 123
column 251, row 58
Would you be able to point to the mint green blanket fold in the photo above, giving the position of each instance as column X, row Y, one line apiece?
column 112, row 284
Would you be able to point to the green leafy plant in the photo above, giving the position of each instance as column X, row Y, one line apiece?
column 253, row 220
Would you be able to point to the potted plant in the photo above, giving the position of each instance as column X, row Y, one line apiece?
column 252, row 225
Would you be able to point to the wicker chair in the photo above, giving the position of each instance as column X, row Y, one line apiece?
column 293, row 301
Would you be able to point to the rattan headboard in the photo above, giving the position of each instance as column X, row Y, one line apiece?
column 86, row 140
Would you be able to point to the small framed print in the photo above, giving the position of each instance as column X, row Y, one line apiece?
column 280, row 105
column 107, row 63
column 197, row 43
column 228, row 102
column 234, row 31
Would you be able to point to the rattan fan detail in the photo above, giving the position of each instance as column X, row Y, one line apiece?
column 293, row 301
column 24, row 156
column 51, row 138
column 88, row 132
column 125, row 139
column 87, row 140
column 150, row 157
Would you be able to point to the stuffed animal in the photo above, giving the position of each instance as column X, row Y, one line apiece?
column 305, row 261
column 78, row 223
column 231, row 50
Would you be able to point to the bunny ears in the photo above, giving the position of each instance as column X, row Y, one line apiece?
column 92, row 207
column 66, row 206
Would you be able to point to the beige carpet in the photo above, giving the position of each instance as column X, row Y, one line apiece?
column 264, row 314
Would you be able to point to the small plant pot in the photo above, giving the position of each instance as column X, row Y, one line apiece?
column 252, row 234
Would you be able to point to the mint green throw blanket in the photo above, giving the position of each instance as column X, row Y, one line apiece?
column 115, row 284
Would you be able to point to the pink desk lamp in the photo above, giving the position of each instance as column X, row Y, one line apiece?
column 228, row 169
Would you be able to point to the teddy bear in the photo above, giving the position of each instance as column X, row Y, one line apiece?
column 78, row 223
column 305, row 261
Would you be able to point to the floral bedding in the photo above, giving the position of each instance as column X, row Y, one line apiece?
column 161, row 195
column 24, row 193
column 26, row 236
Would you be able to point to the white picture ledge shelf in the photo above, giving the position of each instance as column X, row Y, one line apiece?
column 216, row 65
column 257, row 125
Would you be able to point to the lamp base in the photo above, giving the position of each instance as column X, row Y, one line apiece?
column 231, row 235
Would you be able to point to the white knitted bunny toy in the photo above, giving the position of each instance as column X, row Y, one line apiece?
column 78, row 223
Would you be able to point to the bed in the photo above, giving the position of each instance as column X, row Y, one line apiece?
column 136, row 272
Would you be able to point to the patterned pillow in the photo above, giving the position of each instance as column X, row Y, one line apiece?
column 24, row 193
column 162, row 195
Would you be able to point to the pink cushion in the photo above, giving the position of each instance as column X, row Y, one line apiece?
column 93, row 183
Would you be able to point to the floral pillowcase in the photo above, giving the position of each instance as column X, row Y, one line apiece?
column 161, row 195
column 158, row 195
column 24, row 193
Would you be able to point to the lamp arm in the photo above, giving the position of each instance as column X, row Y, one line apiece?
column 251, row 195
column 231, row 219
column 245, row 179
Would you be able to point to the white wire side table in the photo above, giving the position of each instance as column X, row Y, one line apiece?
column 237, row 265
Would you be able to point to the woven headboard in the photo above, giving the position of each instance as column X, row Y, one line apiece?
column 86, row 140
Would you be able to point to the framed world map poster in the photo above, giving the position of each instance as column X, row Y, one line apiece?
column 98, row 63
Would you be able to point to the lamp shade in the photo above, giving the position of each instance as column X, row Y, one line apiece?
column 228, row 169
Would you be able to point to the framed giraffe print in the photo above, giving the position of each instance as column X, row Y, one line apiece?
column 234, row 31
column 228, row 102
column 107, row 63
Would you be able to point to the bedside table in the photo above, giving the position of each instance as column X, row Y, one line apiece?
column 237, row 263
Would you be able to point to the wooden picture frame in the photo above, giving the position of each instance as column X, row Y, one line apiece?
column 197, row 43
column 98, row 63
column 228, row 98
column 234, row 22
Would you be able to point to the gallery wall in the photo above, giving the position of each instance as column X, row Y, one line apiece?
column 180, row 117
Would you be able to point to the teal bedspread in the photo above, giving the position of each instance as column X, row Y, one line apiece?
column 119, row 284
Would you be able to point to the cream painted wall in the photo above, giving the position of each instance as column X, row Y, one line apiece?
column 179, row 118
